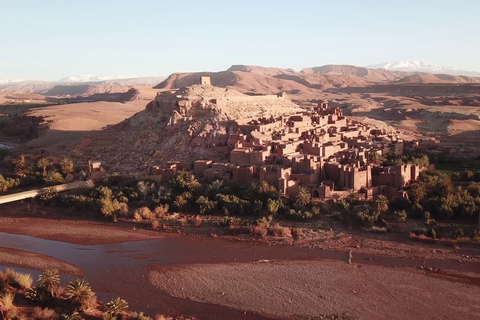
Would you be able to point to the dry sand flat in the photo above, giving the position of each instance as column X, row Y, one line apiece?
column 76, row 231
column 70, row 123
column 30, row 260
column 316, row 288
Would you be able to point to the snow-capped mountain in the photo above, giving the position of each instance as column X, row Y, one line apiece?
column 90, row 78
column 420, row 66
column 5, row 81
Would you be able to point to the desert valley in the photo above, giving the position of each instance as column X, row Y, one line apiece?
column 334, row 192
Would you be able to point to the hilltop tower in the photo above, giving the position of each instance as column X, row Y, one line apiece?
column 205, row 81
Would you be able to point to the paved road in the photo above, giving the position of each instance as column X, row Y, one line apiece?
column 33, row 193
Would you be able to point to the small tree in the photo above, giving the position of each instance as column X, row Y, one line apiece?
column 381, row 204
column 303, row 197
column 79, row 293
column 49, row 280
column 48, row 195
column 66, row 164
column 143, row 188
column 43, row 163
column 53, row 177
column 117, row 307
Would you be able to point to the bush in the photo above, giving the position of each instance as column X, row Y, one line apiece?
column 378, row 230
column 73, row 316
column 259, row 230
column 297, row 232
column 44, row 314
column 197, row 221
column 299, row 214
column 137, row 316
column 161, row 210
column 54, row 177
column 458, row 233
column 368, row 217
column 205, row 205
column 144, row 213
column 6, row 301
column 155, row 224
column 48, row 195
column 8, row 183
column 18, row 279
column 278, row 231
column 39, row 296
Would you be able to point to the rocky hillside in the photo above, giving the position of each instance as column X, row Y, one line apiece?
column 188, row 124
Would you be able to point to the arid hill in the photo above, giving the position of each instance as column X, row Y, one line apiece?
column 78, row 89
column 437, row 78
column 188, row 124
column 23, row 98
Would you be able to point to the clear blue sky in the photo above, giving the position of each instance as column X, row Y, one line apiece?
column 51, row 39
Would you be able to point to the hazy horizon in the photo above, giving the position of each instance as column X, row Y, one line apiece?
column 51, row 40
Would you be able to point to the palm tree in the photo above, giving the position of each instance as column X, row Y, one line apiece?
column 303, row 197
column 49, row 280
column 43, row 163
column 22, row 168
column 375, row 158
column 79, row 293
column 381, row 204
column 66, row 165
column 116, row 306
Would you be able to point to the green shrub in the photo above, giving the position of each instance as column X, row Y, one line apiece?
column 368, row 217
column 293, row 214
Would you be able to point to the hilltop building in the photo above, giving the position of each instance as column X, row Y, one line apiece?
column 319, row 149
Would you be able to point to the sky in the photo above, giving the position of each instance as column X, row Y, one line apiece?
column 52, row 39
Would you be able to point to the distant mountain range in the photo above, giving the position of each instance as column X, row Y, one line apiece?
column 420, row 66
column 79, row 86
column 255, row 80
column 262, row 80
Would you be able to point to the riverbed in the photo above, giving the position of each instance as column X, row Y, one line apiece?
column 214, row 278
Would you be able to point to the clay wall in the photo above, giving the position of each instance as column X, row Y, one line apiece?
column 305, row 178
column 201, row 165
column 312, row 148
column 243, row 174
column 240, row 156
column 332, row 172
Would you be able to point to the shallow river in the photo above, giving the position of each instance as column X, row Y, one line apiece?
column 120, row 269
